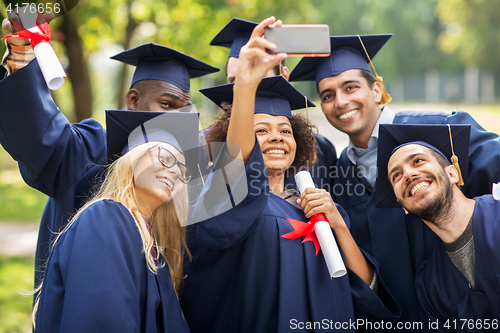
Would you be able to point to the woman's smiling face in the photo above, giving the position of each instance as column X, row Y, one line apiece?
column 276, row 141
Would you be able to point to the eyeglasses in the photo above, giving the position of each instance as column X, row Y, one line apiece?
column 168, row 160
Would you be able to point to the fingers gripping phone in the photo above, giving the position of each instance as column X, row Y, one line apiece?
column 311, row 40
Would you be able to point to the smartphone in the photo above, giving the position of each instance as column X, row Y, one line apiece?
column 311, row 40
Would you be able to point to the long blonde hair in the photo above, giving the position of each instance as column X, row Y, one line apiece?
column 164, row 230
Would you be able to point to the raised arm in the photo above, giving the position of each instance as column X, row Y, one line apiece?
column 98, row 286
column 254, row 62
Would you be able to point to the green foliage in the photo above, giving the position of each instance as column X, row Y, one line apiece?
column 471, row 31
column 16, row 279
column 189, row 25
column 418, row 26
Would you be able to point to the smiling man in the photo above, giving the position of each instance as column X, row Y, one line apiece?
column 60, row 159
column 353, row 101
column 458, row 281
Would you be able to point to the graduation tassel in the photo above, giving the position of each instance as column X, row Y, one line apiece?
column 454, row 160
column 386, row 98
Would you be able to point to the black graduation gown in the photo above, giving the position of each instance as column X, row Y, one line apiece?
column 401, row 242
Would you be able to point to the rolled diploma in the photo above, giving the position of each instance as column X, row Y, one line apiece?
column 51, row 67
column 323, row 232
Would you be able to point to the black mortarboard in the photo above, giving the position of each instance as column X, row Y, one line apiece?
column 435, row 137
column 156, row 62
column 127, row 129
column 275, row 96
column 347, row 53
column 234, row 35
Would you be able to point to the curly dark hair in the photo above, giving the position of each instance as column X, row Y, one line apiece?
column 302, row 133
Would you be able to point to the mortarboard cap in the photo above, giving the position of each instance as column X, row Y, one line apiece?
column 234, row 35
column 156, row 62
column 435, row 137
column 275, row 96
column 127, row 129
column 347, row 53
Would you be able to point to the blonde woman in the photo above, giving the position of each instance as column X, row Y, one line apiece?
column 118, row 265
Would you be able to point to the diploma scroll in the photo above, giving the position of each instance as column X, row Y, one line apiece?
column 323, row 232
column 50, row 65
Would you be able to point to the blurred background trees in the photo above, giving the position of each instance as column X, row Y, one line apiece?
column 430, row 36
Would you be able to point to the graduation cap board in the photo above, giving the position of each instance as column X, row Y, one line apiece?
column 234, row 35
column 275, row 96
column 347, row 52
column 157, row 62
column 127, row 129
column 436, row 137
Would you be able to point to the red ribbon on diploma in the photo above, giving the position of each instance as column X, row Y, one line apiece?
column 305, row 229
column 34, row 37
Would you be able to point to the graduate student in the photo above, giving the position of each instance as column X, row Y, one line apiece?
column 354, row 102
column 61, row 159
column 234, row 35
column 244, row 276
column 459, row 280
column 118, row 265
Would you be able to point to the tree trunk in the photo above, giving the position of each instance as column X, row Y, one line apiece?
column 122, row 87
column 78, row 72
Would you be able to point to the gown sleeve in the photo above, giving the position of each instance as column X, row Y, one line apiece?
column 367, row 304
column 95, row 274
column 229, row 213
column 52, row 153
